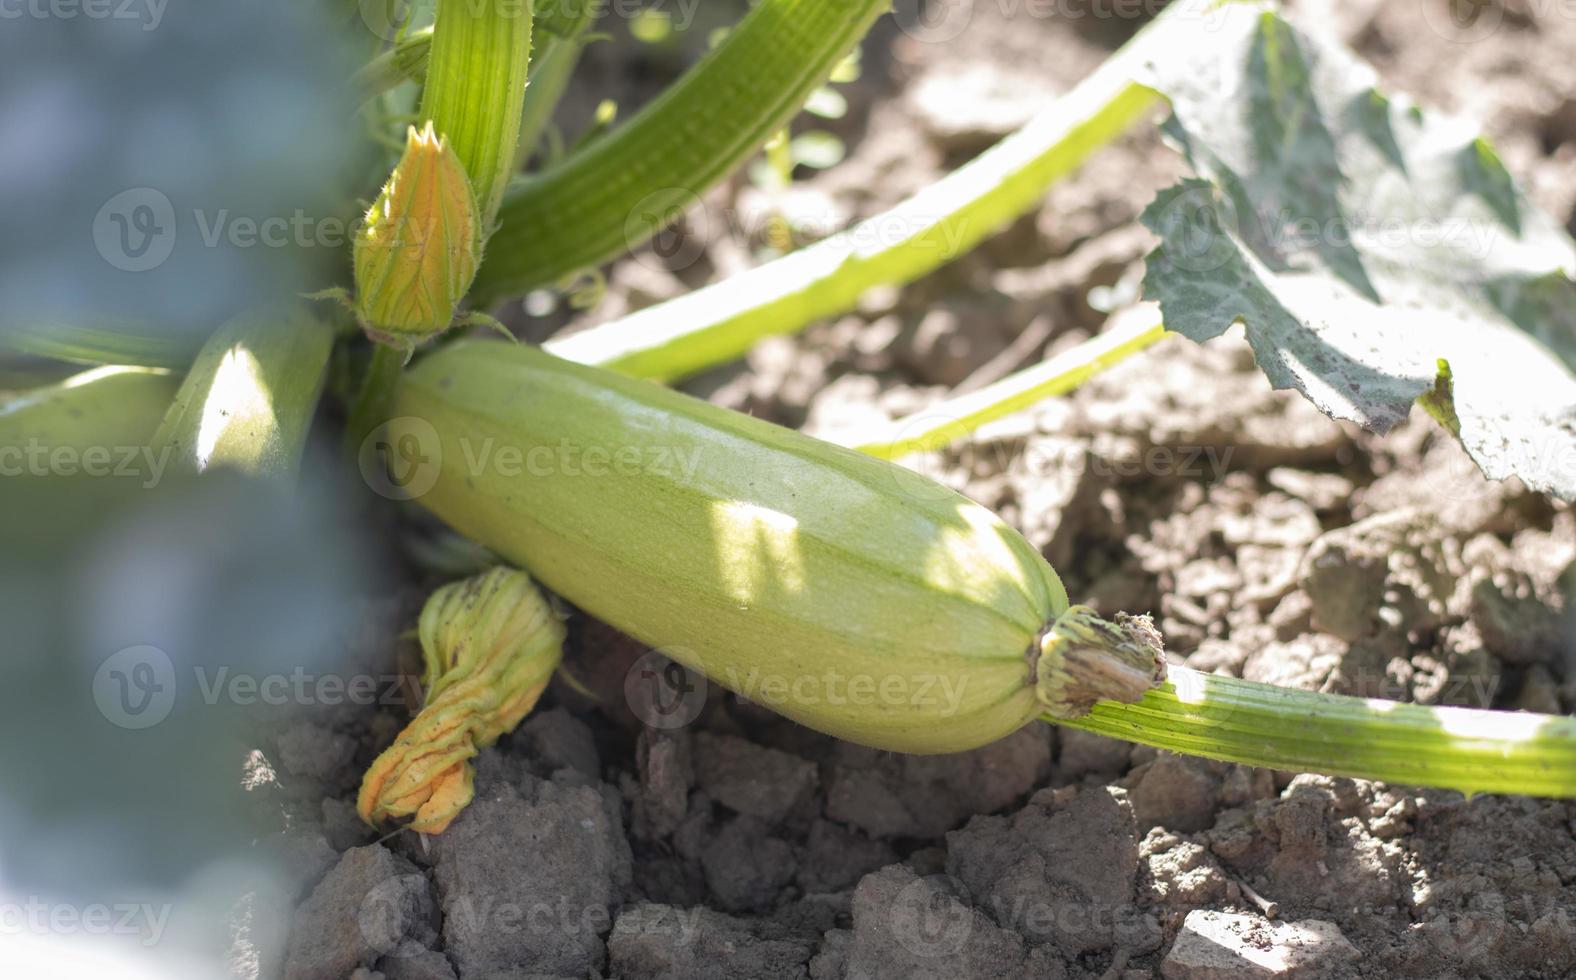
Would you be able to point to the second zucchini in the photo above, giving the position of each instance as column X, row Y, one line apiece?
column 850, row 594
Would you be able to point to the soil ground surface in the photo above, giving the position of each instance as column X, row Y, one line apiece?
column 1269, row 543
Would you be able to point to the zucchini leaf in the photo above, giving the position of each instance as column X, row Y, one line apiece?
column 1376, row 254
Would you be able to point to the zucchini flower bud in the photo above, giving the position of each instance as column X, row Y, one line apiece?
column 419, row 245
column 491, row 644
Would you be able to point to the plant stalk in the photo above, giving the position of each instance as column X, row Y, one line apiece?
column 475, row 85
column 1233, row 720
column 377, row 394
column 720, row 322
column 612, row 195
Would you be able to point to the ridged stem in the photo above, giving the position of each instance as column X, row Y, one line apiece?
column 475, row 84
column 1233, row 720
column 371, row 408
column 937, row 225
column 589, row 207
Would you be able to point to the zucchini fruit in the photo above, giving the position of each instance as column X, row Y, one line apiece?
column 845, row 592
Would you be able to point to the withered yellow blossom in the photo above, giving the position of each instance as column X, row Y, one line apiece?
column 491, row 644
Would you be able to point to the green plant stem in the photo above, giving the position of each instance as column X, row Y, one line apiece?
column 406, row 61
column 720, row 322
column 562, row 27
column 249, row 398
column 1466, row 749
column 554, row 61
column 377, row 394
column 613, row 194
column 475, row 85
column 119, row 344
column 952, row 419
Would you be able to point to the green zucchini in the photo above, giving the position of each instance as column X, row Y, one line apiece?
column 248, row 401
column 850, row 594
column 117, row 406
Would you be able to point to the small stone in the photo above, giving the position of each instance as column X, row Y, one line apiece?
column 1178, row 872
column 1515, row 626
column 666, row 774
column 527, row 885
column 835, row 858
column 1322, row 491
column 313, row 751
column 371, row 903
column 911, row 928
column 749, row 779
column 557, row 740
column 425, row 965
column 660, row 942
column 745, row 869
column 1232, row 946
column 888, row 794
column 1177, row 792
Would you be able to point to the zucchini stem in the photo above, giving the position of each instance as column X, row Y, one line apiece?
column 1233, row 720
column 377, row 394
column 1083, row 659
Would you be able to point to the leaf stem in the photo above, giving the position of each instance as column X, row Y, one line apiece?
column 1233, row 720
column 947, row 421
column 552, row 62
column 613, row 194
column 720, row 322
